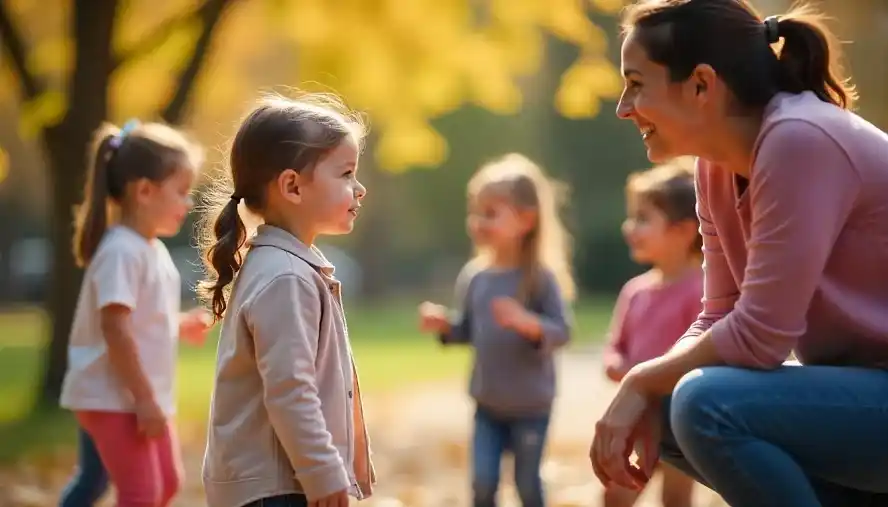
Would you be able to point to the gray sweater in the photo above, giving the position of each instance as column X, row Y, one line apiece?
column 511, row 375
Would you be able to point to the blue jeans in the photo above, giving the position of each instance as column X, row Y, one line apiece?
column 525, row 437
column 90, row 481
column 292, row 500
column 798, row 436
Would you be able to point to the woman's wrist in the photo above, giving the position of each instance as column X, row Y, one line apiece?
column 639, row 378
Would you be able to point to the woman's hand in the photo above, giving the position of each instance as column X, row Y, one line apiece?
column 630, row 422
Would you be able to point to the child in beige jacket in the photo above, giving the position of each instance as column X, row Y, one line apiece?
column 286, row 424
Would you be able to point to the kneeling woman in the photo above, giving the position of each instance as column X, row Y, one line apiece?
column 792, row 193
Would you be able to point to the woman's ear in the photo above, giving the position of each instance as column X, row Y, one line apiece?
column 703, row 79
column 289, row 184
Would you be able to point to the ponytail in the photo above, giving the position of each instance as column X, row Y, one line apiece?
column 225, row 256
column 91, row 220
column 809, row 58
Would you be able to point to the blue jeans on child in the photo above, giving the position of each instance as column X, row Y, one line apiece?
column 90, row 481
column 525, row 437
column 291, row 500
column 798, row 436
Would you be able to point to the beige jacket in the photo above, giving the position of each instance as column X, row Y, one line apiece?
column 286, row 414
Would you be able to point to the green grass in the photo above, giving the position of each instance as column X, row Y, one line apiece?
column 389, row 351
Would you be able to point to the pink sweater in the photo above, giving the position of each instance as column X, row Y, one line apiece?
column 649, row 316
column 800, row 259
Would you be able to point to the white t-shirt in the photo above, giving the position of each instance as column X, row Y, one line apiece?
column 131, row 271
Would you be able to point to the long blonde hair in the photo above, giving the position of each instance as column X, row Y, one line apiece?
column 548, row 244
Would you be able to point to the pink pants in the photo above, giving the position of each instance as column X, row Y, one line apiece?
column 145, row 472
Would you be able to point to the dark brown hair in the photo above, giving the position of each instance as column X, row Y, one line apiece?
column 669, row 187
column 151, row 151
column 732, row 37
column 278, row 134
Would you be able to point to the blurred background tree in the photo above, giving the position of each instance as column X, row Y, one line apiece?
column 76, row 64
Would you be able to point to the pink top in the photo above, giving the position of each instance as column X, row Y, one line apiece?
column 650, row 316
column 800, row 259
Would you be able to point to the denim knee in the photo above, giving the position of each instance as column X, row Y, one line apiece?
column 697, row 405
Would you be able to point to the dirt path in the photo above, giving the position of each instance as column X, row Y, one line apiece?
column 420, row 438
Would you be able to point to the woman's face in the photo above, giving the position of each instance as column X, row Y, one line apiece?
column 669, row 115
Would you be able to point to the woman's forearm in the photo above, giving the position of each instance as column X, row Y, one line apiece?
column 657, row 377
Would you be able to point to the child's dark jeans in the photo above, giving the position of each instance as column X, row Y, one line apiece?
column 525, row 437
column 292, row 500
column 91, row 481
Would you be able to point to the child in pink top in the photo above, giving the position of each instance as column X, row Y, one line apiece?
column 655, row 309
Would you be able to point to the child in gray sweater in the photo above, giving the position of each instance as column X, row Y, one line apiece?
column 511, row 310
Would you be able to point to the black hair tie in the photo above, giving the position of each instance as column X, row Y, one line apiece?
column 772, row 29
column 236, row 198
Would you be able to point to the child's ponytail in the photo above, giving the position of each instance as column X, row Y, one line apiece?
column 92, row 216
column 225, row 256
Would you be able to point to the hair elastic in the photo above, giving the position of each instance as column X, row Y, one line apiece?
column 236, row 198
column 772, row 29
column 125, row 131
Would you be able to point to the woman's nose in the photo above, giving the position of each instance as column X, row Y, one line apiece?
column 624, row 108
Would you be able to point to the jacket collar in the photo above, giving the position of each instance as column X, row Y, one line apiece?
column 269, row 235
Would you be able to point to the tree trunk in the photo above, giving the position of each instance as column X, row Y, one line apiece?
column 66, row 146
column 65, row 155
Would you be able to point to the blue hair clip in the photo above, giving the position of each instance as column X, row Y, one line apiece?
column 125, row 131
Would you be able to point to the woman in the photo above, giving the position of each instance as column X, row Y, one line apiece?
column 792, row 195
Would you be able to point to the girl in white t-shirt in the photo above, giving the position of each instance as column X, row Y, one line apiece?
column 123, row 346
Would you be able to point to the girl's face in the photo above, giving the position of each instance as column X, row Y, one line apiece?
column 652, row 238
column 165, row 204
column 494, row 222
column 332, row 194
column 669, row 115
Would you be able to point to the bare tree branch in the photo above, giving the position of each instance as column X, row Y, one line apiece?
column 210, row 14
column 14, row 45
column 162, row 32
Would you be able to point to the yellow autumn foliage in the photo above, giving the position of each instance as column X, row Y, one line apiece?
column 4, row 165
column 404, row 63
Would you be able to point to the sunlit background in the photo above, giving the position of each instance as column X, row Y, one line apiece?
column 445, row 84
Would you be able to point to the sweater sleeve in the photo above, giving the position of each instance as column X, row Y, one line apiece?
column 720, row 291
column 803, row 187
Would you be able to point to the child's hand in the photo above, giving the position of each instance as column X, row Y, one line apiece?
column 615, row 367
column 510, row 314
column 433, row 318
column 150, row 419
column 338, row 499
column 615, row 372
column 194, row 326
